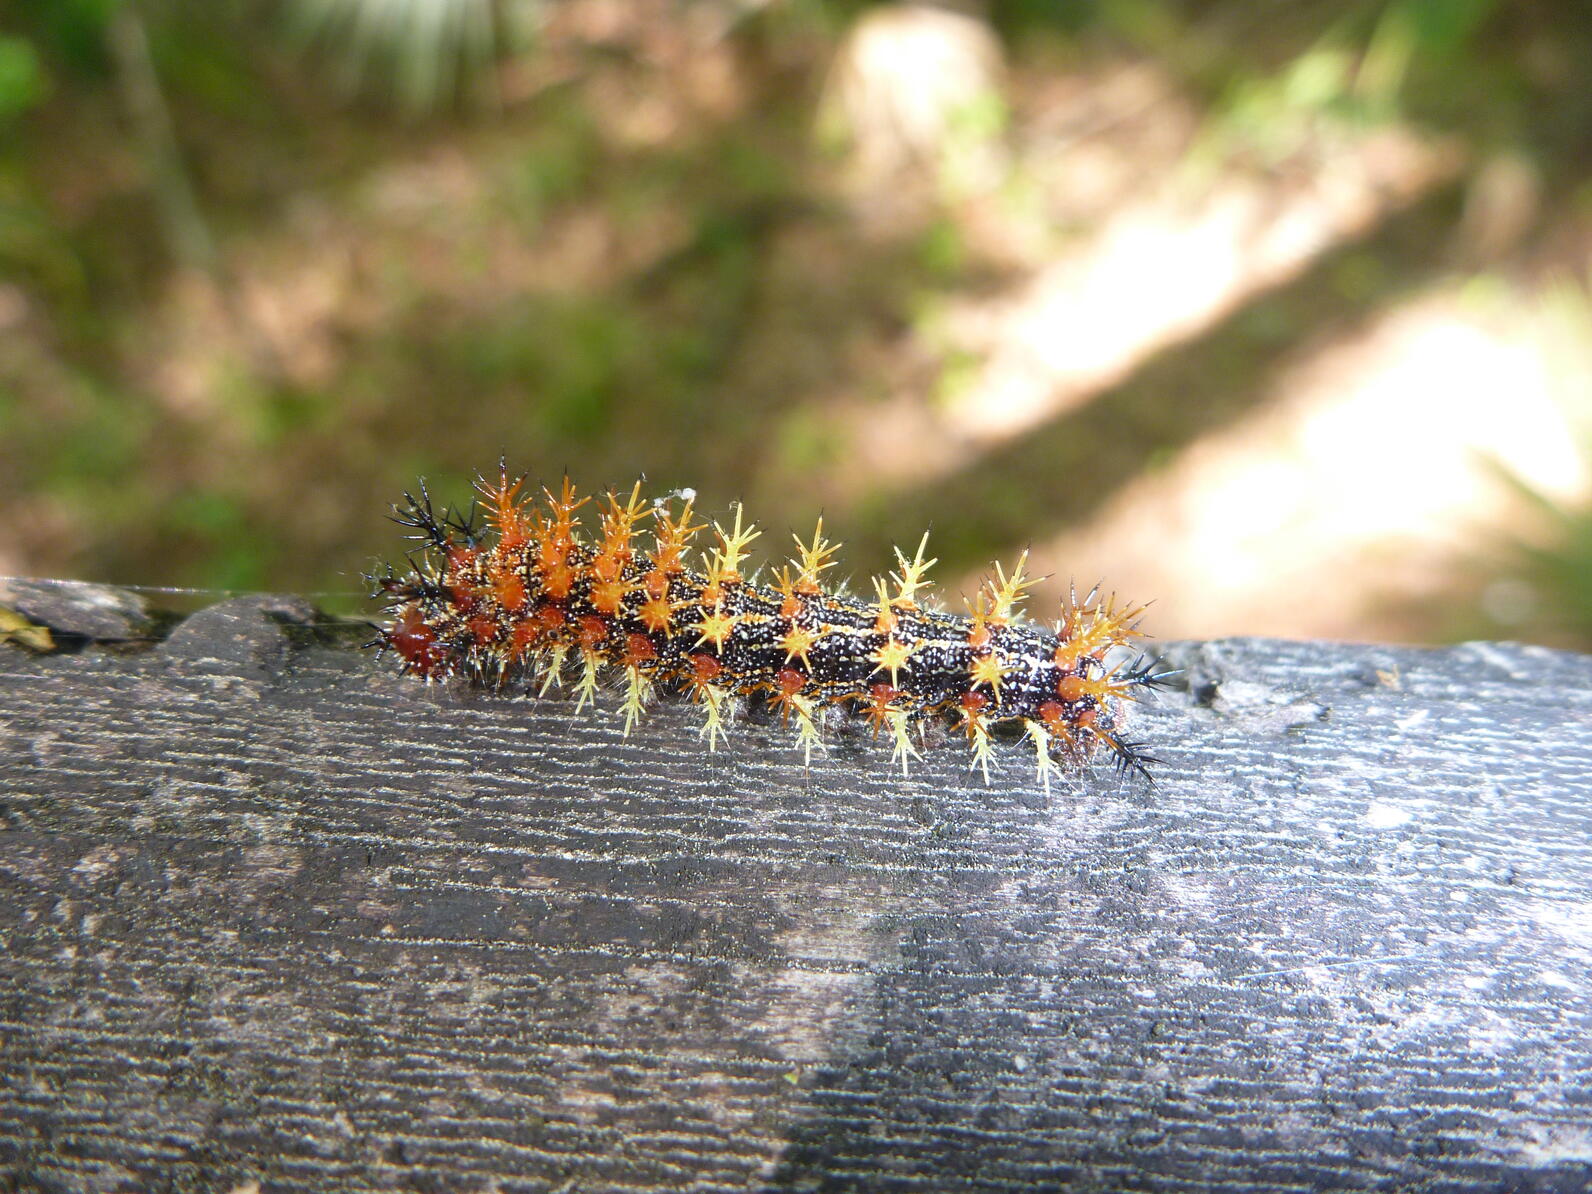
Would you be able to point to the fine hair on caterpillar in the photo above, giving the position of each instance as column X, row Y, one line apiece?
column 516, row 594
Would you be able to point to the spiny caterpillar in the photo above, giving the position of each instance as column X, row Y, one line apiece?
column 520, row 601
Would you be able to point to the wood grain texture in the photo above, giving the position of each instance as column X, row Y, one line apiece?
column 272, row 914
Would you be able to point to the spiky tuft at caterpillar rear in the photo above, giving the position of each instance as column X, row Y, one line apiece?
column 527, row 601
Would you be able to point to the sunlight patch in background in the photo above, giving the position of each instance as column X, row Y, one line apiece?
column 1366, row 486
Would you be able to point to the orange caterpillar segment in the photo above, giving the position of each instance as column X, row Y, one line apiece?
column 673, row 538
column 504, row 513
column 516, row 603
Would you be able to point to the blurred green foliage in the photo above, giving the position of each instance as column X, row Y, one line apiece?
column 21, row 78
column 419, row 53
column 595, row 256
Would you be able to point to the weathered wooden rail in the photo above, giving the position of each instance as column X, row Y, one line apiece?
column 273, row 915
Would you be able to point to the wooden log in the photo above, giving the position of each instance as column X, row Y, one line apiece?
column 276, row 917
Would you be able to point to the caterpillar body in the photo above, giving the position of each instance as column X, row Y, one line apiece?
column 515, row 596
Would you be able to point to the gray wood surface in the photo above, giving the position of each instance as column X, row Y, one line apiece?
column 272, row 915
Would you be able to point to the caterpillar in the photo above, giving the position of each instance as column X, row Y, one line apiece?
column 512, row 595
